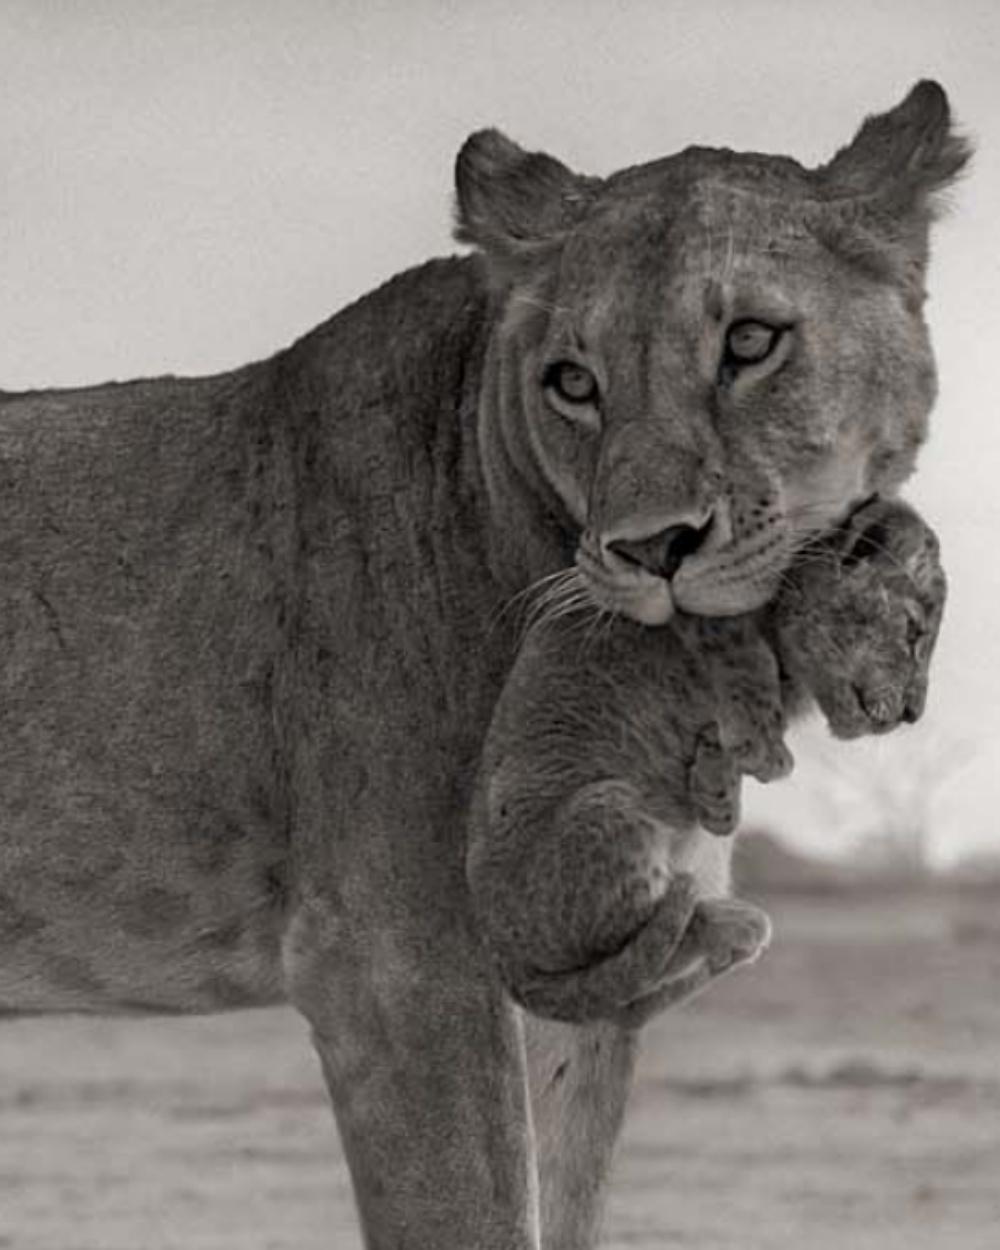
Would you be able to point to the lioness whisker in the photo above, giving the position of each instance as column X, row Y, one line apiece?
column 556, row 607
column 554, row 593
column 521, row 599
column 816, row 550
column 533, row 302
column 563, row 598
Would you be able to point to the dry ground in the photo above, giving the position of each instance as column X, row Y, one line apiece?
column 845, row 1093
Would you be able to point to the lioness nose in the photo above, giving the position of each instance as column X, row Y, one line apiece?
column 663, row 552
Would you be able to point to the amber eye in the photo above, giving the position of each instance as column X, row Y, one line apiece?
column 749, row 342
column 572, row 383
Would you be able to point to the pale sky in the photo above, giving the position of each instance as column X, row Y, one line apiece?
column 191, row 185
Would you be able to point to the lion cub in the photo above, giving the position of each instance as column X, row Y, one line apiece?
column 608, row 768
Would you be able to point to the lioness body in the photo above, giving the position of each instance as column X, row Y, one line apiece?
column 255, row 625
column 143, row 819
column 183, row 617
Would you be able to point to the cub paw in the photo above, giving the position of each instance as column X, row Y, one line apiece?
column 605, row 987
column 729, row 931
column 714, row 784
column 723, row 934
column 747, row 683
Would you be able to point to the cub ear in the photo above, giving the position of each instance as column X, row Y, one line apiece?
column 511, row 202
column 902, row 158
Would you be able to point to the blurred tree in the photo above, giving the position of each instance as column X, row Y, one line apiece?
column 884, row 793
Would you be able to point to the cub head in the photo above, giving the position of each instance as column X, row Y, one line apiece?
column 705, row 361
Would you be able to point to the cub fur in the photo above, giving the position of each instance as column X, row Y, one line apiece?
column 608, row 766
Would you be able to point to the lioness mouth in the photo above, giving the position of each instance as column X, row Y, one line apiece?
column 624, row 586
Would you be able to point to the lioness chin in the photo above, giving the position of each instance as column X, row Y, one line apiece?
column 254, row 625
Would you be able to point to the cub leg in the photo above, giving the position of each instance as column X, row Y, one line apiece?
column 579, row 1077
column 587, row 917
column 714, row 783
column 724, row 933
column 424, row 1061
column 746, row 679
column 579, row 905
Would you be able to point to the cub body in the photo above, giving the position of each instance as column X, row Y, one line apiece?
column 614, row 763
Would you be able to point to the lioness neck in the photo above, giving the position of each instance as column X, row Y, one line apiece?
column 414, row 533
column 400, row 465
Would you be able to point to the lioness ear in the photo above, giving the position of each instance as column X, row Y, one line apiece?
column 880, row 194
column 511, row 202
column 902, row 158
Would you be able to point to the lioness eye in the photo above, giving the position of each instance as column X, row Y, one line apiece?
column 750, row 341
column 572, row 383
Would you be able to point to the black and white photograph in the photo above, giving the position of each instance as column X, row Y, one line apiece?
column 499, row 594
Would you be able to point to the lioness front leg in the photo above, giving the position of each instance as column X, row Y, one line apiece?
column 579, row 1076
column 423, row 1058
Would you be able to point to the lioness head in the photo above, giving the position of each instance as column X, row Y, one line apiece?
column 708, row 359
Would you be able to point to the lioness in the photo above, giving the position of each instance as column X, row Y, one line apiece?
column 254, row 629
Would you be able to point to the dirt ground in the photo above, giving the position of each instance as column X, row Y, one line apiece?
column 845, row 1093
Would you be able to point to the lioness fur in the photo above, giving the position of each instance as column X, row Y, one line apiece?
column 254, row 625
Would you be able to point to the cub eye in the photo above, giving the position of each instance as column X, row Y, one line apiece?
column 571, row 382
column 749, row 342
